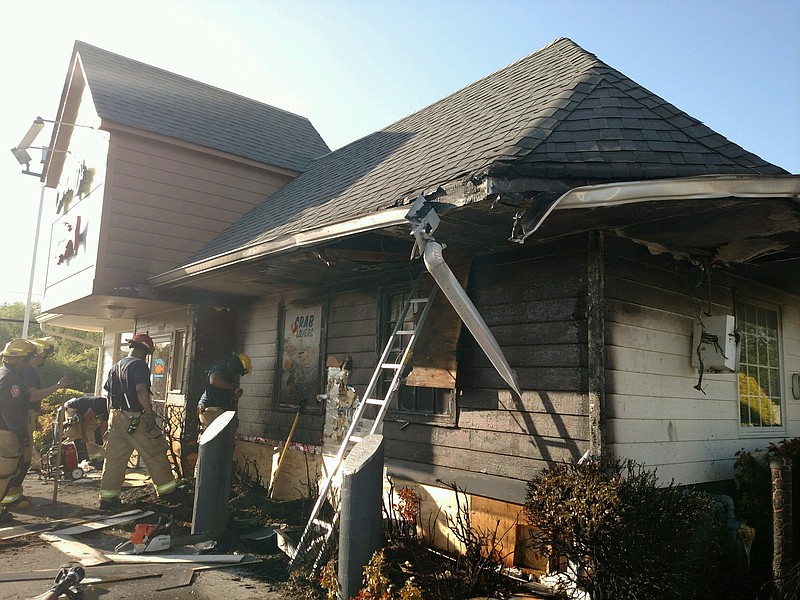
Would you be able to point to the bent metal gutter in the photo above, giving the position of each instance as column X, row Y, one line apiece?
column 594, row 196
column 447, row 282
column 689, row 188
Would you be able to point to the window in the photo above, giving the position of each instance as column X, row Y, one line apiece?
column 178, row 355
column 428, row 391
column 159, row 360
column 759, row 365
column 122, row 347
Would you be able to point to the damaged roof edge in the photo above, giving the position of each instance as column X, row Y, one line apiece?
column 689, row 188
column 379, row 220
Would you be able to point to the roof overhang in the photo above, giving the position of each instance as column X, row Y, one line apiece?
column 601, row 206
column 690, row 188
column 326, row 233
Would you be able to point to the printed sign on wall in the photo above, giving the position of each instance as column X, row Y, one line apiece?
column 300, row 355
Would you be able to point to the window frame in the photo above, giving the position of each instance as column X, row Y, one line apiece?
column 743, row 302
column 394, row 413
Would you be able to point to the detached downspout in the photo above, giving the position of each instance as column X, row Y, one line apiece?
column 425, row 221
column 98, row 376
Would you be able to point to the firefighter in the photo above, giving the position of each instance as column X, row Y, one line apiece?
column 85, row 422
column 15, row 497
column 14, row 408
column 86, row 418
column 222, row 388
column 132, row 426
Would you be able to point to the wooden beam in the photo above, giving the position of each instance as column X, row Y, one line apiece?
column 127, row 517
column 86, row 555
column 197, row 559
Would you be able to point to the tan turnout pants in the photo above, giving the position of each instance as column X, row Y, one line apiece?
column 151, row 447
column 10, row 453
column 15, row 491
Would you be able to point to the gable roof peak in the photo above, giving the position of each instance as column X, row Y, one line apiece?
column 148, row 98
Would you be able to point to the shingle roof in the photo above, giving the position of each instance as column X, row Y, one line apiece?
column 559, row 113
column 142, row 96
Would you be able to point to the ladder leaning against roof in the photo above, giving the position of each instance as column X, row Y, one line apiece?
column 394, row 360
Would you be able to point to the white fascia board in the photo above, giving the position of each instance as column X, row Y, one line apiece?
column 377, row 220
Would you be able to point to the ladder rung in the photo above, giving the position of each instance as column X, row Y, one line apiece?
column 354, row 439
column 378, row 401
column 323, row 524
column 406, row 332
column 391, row 366
column 418, row 300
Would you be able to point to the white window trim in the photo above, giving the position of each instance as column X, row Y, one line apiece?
column 765, row 432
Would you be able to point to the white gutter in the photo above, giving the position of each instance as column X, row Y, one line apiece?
column 98, row 373
column 377, row 220
column 447, row 282
column 46, row 329
column 689, row 188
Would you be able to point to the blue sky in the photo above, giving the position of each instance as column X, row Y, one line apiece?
column 355, row 66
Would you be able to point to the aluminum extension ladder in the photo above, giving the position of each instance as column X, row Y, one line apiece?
column 318, row 531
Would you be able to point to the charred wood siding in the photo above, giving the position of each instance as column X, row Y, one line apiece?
column 258, row 337
column 534, row 301
column 352, row 330
column 654, row 414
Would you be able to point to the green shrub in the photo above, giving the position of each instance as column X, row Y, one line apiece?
column 624, row 537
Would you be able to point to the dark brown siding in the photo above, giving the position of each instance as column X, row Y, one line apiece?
column 533, row 300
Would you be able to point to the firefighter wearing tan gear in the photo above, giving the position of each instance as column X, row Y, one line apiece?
column 222, row 390
column 14, row 408
column 132, row 426
column 15, row 497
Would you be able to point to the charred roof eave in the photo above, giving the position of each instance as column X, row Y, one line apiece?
column 628, row 192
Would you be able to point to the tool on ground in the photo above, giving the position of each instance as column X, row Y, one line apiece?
column 149, row 537
column 67, row 583
column 286, row 447
column 62, row 458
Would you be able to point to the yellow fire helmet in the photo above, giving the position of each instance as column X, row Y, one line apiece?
column 18, row 348
column 243, row 360
column 44, row 347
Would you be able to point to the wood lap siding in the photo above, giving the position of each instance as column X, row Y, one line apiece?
column 166, row 202
column 653, row 413
column 352, row 329
column 533, row 300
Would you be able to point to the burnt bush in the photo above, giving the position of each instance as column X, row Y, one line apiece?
column 615, row 533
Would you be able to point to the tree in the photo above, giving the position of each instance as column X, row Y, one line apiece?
column 75, row 359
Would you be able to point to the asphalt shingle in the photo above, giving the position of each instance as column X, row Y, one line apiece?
column 144, row 97
column 557, row 113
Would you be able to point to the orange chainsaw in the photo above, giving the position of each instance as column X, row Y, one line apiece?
column 147, row 537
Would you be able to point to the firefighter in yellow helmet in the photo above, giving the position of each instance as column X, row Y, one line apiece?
column 15, row 497
column 132, row 426
column 14, row 409
column 222, row 391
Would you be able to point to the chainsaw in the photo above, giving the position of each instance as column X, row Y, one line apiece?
column 147, row 537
